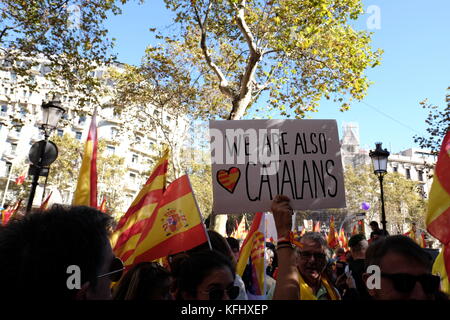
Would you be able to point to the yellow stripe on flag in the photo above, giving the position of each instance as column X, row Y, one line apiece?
column 438, row 201
column 439, row 269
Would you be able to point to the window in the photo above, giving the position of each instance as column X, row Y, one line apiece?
column 8, row 168
column 82, row 120
column 395, row 169
column 110, row 150
column 78, row 135
column 408, row 173
column 60, row 133
column 168, row 118
column 4, row 108
column 13, row 147
column 134, row 158
column 133, row 177
column 114, row 132
column 420, row 173
column 18, row 129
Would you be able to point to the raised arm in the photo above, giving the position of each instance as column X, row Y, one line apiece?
column 287, row 286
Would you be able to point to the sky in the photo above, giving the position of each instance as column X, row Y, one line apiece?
column 415, row 64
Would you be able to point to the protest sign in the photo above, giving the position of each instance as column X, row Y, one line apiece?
column 254, row 160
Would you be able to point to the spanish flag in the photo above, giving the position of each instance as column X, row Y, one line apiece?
column 44, row 204
column 128, row 231
column 174, row 227
column 438, row 215
column 86, row 191
column 332, row 238
column 343, row 239
column 20, row 179
column 254, row 248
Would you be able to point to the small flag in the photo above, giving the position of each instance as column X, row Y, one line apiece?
column 21, row 178
column 253, row 248
column 103, row 205
column 86, row 191
column 44, row 204
column 332, row 238
column 317, row 227
column 10, row 212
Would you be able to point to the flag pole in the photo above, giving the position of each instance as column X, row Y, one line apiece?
column 199, row 212
column 7, row 184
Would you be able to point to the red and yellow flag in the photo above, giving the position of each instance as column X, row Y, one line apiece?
column 317, row 227
column 102, row 207
column 44, row 204
column 175, row 226
column 20, row 179
column 343, row 242
column 86, row 191
column 254, row 248
column 128, row 231
column 438, row 215
column 10, row 212
column 355, row 230
column 332, row 238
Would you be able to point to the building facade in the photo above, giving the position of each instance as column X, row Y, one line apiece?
column 20, row 118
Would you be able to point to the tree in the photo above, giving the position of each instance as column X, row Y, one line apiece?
column 298, row 51
column 110, row 171
column 66, row 39
column 438, row 122
column 403, row 201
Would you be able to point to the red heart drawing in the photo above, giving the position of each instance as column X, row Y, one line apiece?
column 229, row 179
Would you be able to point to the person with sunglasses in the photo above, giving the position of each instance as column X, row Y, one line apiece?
column 301, row 274
column 59, row 254
column 205, row 275
column 405, row 271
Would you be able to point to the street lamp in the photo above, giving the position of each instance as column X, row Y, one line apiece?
column 44, row 152
column 379, row 161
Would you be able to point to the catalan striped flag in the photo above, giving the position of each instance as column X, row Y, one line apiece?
column 44, row 204
column 332, row 240
column 128, row 231
column 254, row 248
column 175, row 226
column 86, row 191
column 438, row 215
column 241, row 231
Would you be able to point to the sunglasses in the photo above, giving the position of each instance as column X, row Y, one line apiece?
column 308, row 255
column 116, row 270
column 405, row 283
column 217, row 294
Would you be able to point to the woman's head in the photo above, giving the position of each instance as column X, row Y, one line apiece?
column 145, row 281
column 205, row 275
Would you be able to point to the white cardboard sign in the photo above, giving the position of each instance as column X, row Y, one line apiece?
column 254, row 160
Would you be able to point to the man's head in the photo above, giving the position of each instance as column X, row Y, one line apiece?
column 374, row 225
column 405, row 270
column 358, row 246
column 40, row 255
column 313, row 257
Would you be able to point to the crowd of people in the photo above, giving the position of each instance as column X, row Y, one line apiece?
column 65, row 253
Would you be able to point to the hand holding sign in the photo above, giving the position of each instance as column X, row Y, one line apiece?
column 282, row 214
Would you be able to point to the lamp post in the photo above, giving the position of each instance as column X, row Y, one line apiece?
column 379, row 160
column 44, row 152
